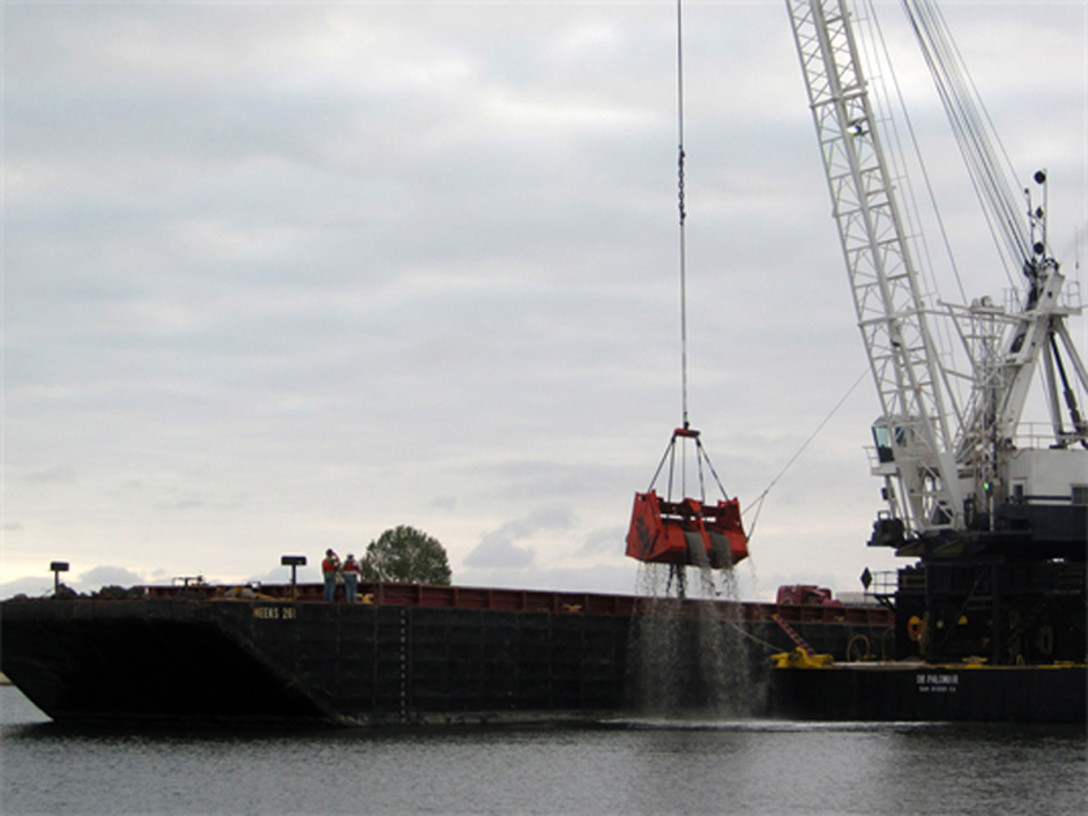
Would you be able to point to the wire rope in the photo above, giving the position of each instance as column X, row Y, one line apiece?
column 886, row 69
column 757, row 503
column 682, row 211
column 974, row 132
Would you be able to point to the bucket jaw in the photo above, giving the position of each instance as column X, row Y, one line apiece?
column 686, row 533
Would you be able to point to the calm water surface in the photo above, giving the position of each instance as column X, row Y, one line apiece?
column 752, row 767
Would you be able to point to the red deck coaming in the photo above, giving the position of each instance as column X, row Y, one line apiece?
column 518, row 600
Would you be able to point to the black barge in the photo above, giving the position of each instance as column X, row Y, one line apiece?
column 407, row 653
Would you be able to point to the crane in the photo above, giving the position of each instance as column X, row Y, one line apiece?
column 998, row 520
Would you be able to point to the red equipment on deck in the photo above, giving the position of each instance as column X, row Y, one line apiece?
column 805, row 595
column 689, row 532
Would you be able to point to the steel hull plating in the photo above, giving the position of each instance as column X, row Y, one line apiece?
column 424, row 655
column 237, row 661
column 927, row 693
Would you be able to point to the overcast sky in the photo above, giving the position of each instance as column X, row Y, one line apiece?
column 280, row 276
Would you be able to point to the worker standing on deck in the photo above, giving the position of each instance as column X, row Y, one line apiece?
column 351, row 577
column 329, row 567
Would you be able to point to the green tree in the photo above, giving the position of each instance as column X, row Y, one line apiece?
column 406, row 554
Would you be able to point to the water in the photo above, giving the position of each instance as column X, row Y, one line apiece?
column 650, row 767
column 702, row 659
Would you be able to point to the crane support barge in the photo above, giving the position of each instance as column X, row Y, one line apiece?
column 925, row 692
column 408, row 653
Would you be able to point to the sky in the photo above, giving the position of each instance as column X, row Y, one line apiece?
column 278, row 277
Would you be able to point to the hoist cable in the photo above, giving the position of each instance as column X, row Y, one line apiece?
column 670, row 451
column 683, row 212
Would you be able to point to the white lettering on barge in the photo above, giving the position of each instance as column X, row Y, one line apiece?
column 274, row 612
column 937, row 683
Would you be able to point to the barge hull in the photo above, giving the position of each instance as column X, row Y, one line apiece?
column 418, row 656
column 927, row 693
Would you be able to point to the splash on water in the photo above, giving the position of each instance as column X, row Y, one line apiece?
column 690, row 648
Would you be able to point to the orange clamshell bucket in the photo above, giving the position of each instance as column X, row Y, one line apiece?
column 686, row 532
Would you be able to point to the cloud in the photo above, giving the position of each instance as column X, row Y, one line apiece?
column 498, row 550
column 446, row 504
column 109, row 576
column 57, row 474
column 603, row 541
column 29, row 586
column 306, row 272
column 86, row 582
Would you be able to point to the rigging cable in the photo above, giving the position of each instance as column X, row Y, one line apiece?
column 974, row 132
column 882, row 64
column 757, row 503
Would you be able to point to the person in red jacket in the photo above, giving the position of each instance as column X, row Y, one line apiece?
column 329, row 567
column 351, row 577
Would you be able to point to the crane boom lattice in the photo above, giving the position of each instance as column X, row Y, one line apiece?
column 890, row 308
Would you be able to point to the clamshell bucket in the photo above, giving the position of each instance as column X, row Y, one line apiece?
column 686, row 532
column 726, row 532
